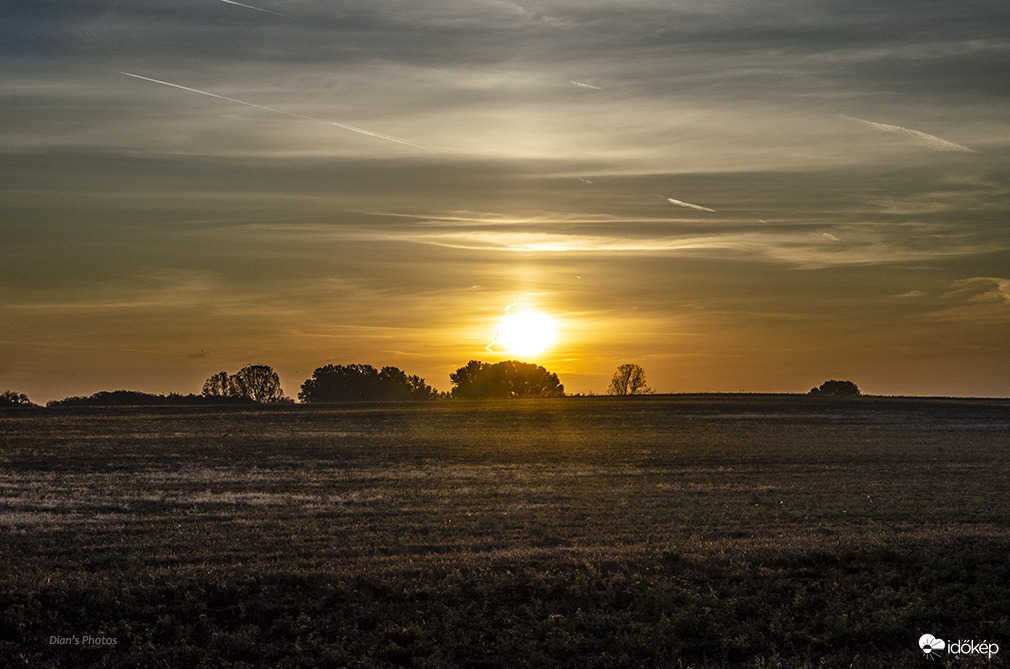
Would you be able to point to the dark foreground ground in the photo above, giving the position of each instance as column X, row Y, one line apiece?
column 585, row 532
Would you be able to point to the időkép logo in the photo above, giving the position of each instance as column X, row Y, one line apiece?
column 932, row 646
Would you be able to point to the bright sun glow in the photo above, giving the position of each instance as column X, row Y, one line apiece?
column 526, row 333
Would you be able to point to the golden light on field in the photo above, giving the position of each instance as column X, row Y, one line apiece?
column 526, row 333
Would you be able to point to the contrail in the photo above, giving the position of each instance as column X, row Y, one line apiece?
column 689, row 205
column 344, row 126
column 490, row 347
column 258, row 9
column 583, row 85
column 933, row 140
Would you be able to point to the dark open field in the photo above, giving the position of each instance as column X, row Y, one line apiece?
column 754, row 531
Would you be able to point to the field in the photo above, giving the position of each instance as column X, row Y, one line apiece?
column 704, row 531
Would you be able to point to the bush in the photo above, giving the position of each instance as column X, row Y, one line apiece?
column 9, row 398
column 836, row 389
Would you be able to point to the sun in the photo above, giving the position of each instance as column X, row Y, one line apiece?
column 526, row 333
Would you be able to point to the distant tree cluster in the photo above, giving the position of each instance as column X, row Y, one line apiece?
column 136, row 398
column 836, row 389
column 258, row 383
column 504, row 380
column 629, row 379
column 343, row 383
column 9, row 398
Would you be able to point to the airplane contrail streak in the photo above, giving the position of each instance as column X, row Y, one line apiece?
column 258, row 9
column 680, row 203
column 584, row 85
column 933, row 140
column 344, row 126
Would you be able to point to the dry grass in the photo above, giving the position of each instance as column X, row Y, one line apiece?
column 707, row 531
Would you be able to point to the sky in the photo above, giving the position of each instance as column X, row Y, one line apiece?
column 737, row 196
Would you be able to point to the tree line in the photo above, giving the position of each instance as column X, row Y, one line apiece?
column 260, row 384
column 477, row 380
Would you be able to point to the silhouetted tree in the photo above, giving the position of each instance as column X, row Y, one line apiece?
column 836, row 389
column 350, row 383
column 504, row 380
column 470, row 380
column 9, row 398
column 258, row 383
column 217, row 385
column 397, row 385
column 629, row 379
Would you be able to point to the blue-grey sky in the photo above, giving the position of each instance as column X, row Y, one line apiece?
column 735, row 195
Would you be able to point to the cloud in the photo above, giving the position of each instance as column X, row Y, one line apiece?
column 981, row 289
column 545, row 242
column 343, row 126
column 931, row 141
column 688, row 205
column 790, row 246
column 975, row 300
column 258, row 9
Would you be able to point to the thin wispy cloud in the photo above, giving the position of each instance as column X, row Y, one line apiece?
column 925, row 138
column 976, row 300
column 536, row 242
column 258, row 9
column 344, row 126
column 688, row 205
column 582, row 84
column 803, row 248
column 982, row 289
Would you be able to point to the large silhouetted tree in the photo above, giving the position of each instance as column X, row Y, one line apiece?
column 350, row 383
column 629, row 379
column 836, row 389
column 504, row 380
column 258, row 383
